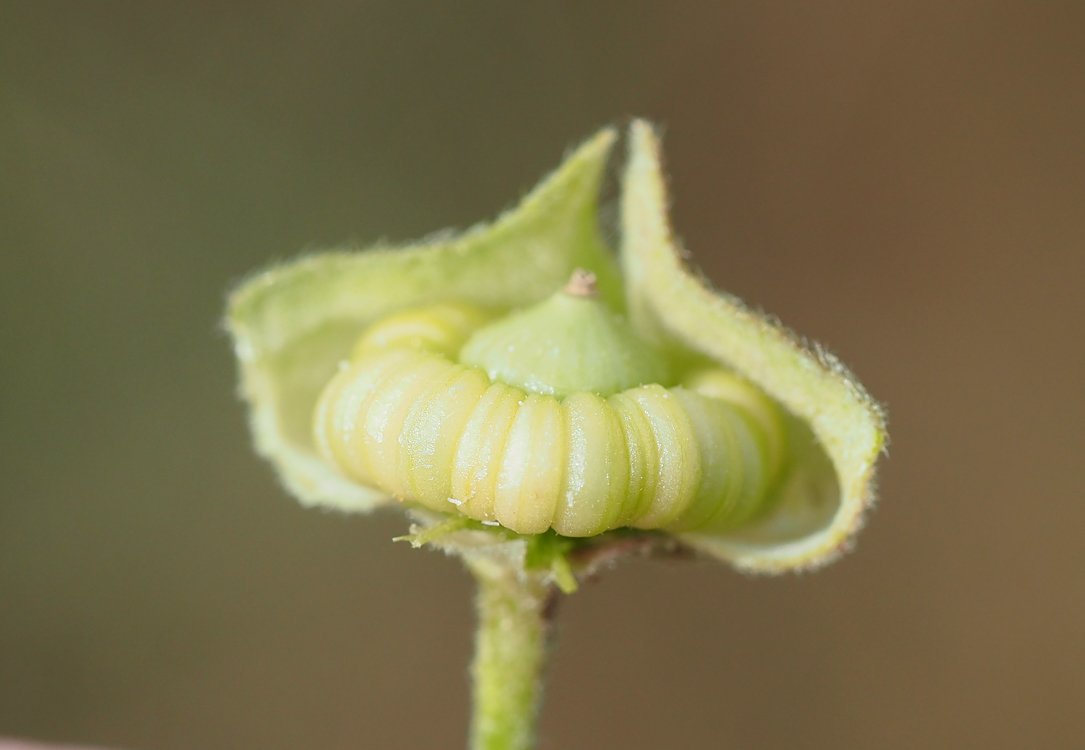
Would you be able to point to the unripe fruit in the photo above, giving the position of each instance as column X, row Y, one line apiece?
column 554, row 417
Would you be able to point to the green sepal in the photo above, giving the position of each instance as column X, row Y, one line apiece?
column 542, row 553
column 550, row 552
column 439, row 533
column 836, row 431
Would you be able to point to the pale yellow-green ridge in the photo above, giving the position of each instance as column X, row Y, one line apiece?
column 440, row 328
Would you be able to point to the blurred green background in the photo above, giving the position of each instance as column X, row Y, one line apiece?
column 902, row 181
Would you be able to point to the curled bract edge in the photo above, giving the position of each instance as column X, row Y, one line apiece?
column 293, row 324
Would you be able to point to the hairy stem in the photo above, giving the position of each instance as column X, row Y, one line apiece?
column 510, row 651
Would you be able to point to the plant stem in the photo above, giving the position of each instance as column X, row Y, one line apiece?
column 510, row 649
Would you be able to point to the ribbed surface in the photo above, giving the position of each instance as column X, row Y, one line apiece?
column 439, row 328
column 441, row 434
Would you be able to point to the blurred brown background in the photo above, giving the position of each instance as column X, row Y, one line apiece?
column 903, row 181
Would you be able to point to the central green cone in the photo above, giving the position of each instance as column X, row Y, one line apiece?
column 569, row 343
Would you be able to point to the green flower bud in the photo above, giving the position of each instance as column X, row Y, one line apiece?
column 467, row 378
column 555, row 417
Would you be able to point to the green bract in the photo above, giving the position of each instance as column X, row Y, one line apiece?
column 294, row 325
